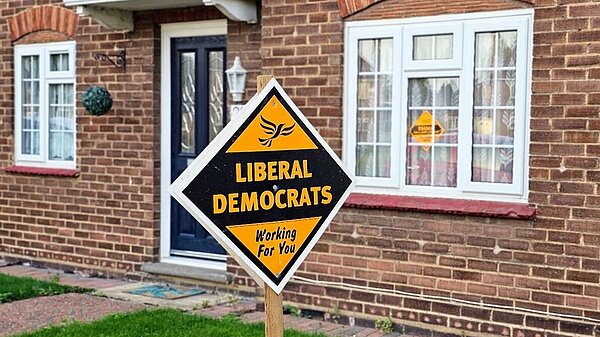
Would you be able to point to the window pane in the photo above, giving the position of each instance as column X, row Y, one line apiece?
column 383, row 161
column 420, row 92
column 30, row 142
column 384, row 126
column 215, row 94
column 493, row 165
column 505, row 90
column 384, row 87
column 485, row 50
column 447, row 92
column 507, row 49
column 504, row 165
column 35, row 92
column 374, row 91
column 505, row 126
column 483, row 165
column 364, row 160
column 423, row 48
column 366, row 91
column 59, row 62
column 433, row 132
column 366, row 126
column 30, row 111
column 366, row 55
column 30, row 67
column 61, row 122
column 448, row 119
column 484, row 88
column 444, row 169
column 188, row 102
column 433, row 47
column 26, row 92
column 443, row 46
column 483, row 127
column 418, row 166
column 385, row 55
column 495, row 89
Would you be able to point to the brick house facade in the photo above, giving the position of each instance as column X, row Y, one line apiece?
column 527, row 266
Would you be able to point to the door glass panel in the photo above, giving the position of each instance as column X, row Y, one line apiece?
column 215, row 93
column 188, row 102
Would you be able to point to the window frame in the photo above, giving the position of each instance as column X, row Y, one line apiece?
column 404, row 68
column 46, row 78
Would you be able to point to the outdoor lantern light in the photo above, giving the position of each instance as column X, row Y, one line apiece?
column 236, row 78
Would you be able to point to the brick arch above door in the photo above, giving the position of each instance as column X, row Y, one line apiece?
column 43, row 18
column 350, row 7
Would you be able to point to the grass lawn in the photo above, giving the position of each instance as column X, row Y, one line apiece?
column 160, row 323
column 19, row 288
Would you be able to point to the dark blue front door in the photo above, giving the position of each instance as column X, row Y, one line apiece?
column 198, row 114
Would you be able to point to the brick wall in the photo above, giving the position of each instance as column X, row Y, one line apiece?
column 105, row 220
column 549, row 265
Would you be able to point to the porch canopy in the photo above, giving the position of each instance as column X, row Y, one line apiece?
column 117, row 14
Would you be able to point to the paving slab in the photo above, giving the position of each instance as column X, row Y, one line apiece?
column 40, row 312
column 112, row 296
column 189, row 303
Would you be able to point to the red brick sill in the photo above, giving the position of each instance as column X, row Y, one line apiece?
column 441, row 205
column 41, row 171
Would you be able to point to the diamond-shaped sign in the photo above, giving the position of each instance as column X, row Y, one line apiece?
column 426, row 130
column 266, row 187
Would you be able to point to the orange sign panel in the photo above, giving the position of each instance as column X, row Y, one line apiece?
column 426, row 130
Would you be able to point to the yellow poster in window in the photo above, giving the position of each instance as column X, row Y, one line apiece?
column 426, row 130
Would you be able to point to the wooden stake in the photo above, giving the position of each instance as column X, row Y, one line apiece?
column 273, row 302
column 273, row 313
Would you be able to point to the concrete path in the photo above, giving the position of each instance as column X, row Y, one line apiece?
column 111, row 296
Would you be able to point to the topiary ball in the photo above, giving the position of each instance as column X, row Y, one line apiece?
column 97, row 100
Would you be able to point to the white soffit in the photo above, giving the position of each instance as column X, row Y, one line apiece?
column 117, row 14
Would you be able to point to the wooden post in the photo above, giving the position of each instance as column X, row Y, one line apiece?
column 273, row 302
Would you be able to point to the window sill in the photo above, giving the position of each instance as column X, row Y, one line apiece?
column 441, row 205
column 41, row 171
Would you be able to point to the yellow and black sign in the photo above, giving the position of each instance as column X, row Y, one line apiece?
column 426, row 130
column 269, row 189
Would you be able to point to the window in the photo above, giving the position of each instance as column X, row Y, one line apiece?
column 439, row 109
column 45, row 105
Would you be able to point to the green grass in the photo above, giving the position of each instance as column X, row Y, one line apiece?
column 160, row 323
column 19, row 288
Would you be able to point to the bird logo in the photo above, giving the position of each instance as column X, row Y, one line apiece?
column 274, row 131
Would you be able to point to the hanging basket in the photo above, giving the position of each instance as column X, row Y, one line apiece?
column 97, row 100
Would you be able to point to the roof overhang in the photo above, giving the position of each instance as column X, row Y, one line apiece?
column 117, row 14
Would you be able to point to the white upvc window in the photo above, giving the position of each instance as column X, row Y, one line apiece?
column 45, row 105
column 439, row 106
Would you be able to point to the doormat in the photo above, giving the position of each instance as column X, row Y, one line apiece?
column 166, row 292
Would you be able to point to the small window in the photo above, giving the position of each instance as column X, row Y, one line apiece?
column 439, row 109
column 433, row 47
column 45, row 105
